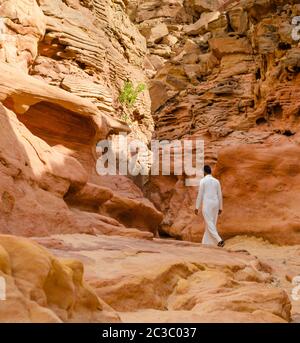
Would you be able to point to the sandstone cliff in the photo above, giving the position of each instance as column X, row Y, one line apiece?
column 228, row 74
column 223, row 71
column 63, row 66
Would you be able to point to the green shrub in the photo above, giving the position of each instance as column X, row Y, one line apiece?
column 129, row 93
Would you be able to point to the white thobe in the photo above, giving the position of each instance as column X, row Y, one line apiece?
column 211, row 200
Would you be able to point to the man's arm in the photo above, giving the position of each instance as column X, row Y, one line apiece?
column 199, row 200
column 220, row 197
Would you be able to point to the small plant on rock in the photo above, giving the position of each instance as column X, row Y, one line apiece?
column 129, row 93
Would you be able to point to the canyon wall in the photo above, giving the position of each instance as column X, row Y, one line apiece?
column 63, row 66
column 227, row 73
column 223, row 71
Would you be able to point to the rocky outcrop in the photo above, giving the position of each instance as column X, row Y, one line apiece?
column 39, row 178
column 63, row 66
column 228, row 75
column 284, row 261
column 183, row 282
column 40, row 288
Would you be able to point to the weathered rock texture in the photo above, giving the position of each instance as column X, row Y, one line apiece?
column 183, row 282
column 283, row 260
column 261, row 185
column 104, row 279
column 42, row 289
column 223, row 71
column 227, row 74
column 63, row 66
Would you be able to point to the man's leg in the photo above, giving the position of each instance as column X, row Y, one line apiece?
column 221, row 243
column 210, row 214
column 207, row 239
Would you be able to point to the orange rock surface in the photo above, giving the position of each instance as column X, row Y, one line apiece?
column 49, row 146
column 230, row 77
column 42, row 289
column 225, row 72
column 183, row 282
column 262, row 191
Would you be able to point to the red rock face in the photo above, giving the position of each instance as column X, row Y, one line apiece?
column 261, row 186
column 226, row 72
column 223, row 71
column 230, row 77
column 61, row 79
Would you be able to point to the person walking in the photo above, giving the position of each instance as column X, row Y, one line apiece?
column 211, row 200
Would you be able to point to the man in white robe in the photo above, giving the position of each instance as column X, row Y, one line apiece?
column 211, row 200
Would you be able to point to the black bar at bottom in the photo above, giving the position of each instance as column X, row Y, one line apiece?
column 94, row 333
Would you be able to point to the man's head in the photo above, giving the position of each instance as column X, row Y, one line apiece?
column 207, row 170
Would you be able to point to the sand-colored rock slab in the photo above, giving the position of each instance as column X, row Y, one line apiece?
column 43, row 289
column 172, row 281
column 284, row 261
